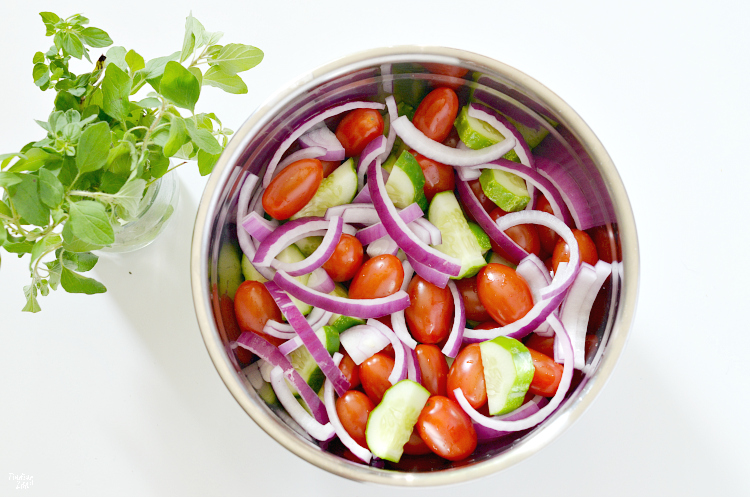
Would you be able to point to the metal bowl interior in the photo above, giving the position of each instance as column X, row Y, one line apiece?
column 371, row 75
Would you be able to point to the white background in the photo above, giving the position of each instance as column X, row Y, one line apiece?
column 115, row 394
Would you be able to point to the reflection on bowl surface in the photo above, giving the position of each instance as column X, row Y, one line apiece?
column 555, row 132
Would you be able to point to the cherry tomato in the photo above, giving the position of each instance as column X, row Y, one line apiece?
column 373, row 373
column 547, row 375
column 292, row 188
column 232, row 329
column 504, row 294
column 380, row 276
column 433, row 367
column 487, row 325
column 525, row 235
column 447, row 429
column 415, row 446
column 475, row 311
column 438, row 177
column 585, row 245
column 604, row 240
column 445, row 69
column 467, row 373
column 349, row 369
column 547, row 237
column 345, row 260
column 430, row 312
column 253, row 306
column 436, row 113
column 544, row 345
column 488, row 204
column 386, row 320
column 358, row 128
column 329, row 166
column 353, row 409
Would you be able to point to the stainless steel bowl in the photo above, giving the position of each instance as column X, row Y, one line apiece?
column 368, row 75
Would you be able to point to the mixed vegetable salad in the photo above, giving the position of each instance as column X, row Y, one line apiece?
column 416, row 281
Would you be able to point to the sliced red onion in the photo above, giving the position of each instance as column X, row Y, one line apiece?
column 316, row 319
column 469, row 200
column 320, row 281
column 258, row 227
column 533, row 270
column 448, row 155
column 318, row 431
column 328, row 398
column 398, row 230
column 305, row 153
column 421, row 233
column 456, row 336
column 538, row 180
column 569, row 190
column 263, row 349
column 245, row 241
column 357, row 308
column 505, row 128
column 362, row 342
column 575, row 311
column 468, row 173
column 382, row 246
column 270, row 329
column 320, row 136
column 285, row 235
column 399, row 365
column 321, row 254
column 413, row 371
column 309, row 338
column 398, row 319
column 372, row 151
column 434, row 276
column 256, row 203
column 435, row 236
column 485, row 434
column 542, row 414
column 363, row 197
column 301, row 130
column 377, row 230
column 290, row 345
column 390, row 103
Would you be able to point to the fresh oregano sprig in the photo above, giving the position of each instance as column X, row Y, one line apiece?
column 66, row 194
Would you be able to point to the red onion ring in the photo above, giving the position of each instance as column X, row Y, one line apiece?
column 399, row 366
column 398, row 319
column 258, row 227
column 319, row 136
column 456, row 336
column 362, row 341
column 318, row 431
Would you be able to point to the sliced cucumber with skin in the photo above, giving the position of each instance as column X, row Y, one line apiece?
column 339, row 321
column 458, row 239
column 304, row 363
column 493, row 257
column 391, row 423
column 338, row 188
column 405, row 184
column 229, row 269
column 308, row 245
column 289, row 255
column 477, row 134
column 399, row 147
column 508, row 371
column 506, row 190
column 249, row 271
column 483, row 238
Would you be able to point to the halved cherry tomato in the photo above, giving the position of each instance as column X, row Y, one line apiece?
column 373, row 373
column 467, row 373
column 329, row 166
column 585, row 245
column 253, row 306
column 430, row 312
column 292, row 188
column 353, row 409
column 487, row 325
column 525, row 235
column 358, row 128
column 475, row 311
column 547, row 237
column 436, row 112
column 433, row 367
column 438, row 177
column 604, row 240
column 380, row 276
column 345, row 260
column 349, row 369
column 504, row 294
column 547, row 375
column 447, row 429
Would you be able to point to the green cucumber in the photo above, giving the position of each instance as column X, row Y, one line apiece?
column 338, row 188
column 338, row 321
column 391, row 423
column 293, row 254
column 304, row 363
column 477, row 134
column 264, row 389
column 508, row 371
column 483, row 238
column 493, row 257
column 458, row 239
column 405, row 184
column 505, row 189
column 308, row 245
column 399, row 147
column 229, row 269
column 249, row 271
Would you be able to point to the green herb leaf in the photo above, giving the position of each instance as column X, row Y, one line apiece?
column 135, row 62
column 38, row 58
column 72, row 45
column 206, row 162
column 154, row 69
column 177, row 136
column 75, row 283
column 197, row 73
column 180, row 86
column 55, row 270
column 6, row 158
column 129, row 198
column 25, row 198
column 235, row 57
column 40, row 74
column 35, row 158
column 93, row 147
column 49, row 19
column 72, row 243
column 66, row 101
column 213, row 38
column 95, row 37
column 202, row 138
column 158, row 163
column 116, row 55
column 115, row 92
column 9, row 179
column 194, row 37
column 43, row 245
column 32, row 305
column 230, row 83
column 90, row 223
column 51, row 191
column 81, row 262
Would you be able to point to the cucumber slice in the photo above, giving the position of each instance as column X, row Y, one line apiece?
column 458, row 239
column 249, row 271
column 264, row 389
column 391, row 423
column 493, row 257
column 507, row 190
column 293, row 254
column 399, row 147
column 477, row 134
column 407, row 110
column 405, row 184
column 532, row 136
column 483, row 238
column 338, row 321
column 308, row 245
column 508, row 371
column 229, row 269
column 338, row 188
column 304, row 363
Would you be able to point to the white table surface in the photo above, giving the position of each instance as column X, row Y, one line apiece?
column 115, row 394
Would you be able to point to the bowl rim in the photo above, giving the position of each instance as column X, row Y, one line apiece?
column 556, row 424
